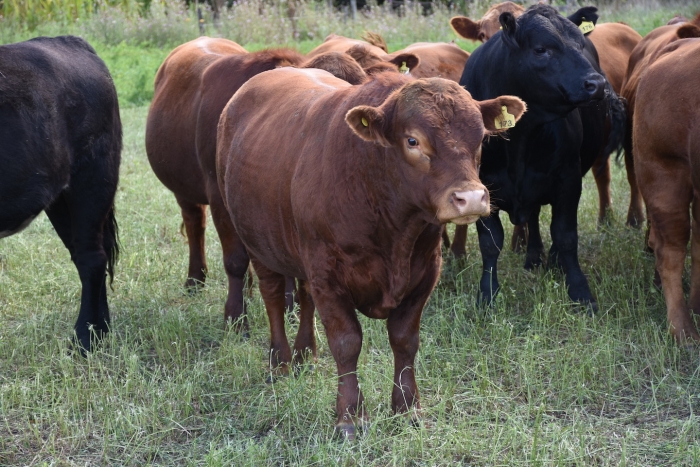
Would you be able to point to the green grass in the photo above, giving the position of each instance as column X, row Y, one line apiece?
column 532, row 381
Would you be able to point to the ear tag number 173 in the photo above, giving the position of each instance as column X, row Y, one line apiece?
column 505, row 120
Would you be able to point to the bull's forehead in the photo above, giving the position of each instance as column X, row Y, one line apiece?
column 547, row 22
column 444, row 107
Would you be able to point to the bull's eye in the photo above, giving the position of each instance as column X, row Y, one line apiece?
column 412, row 142
column 540, row 51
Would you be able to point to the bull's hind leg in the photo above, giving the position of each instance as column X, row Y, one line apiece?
column 459, row 242
column 305, row 342
column 601, row 174
column 535, row 248
column 80, row 222
column 194, row 217
column 635, row 213
column 667, row 205
column 271, row 286
column 235, row 262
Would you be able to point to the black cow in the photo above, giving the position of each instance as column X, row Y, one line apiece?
column 544, row 59
column 60, row 146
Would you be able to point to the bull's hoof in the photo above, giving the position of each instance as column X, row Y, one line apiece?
column 532, row 263
column 238, row 325
column 348, row 431
column 192, row 285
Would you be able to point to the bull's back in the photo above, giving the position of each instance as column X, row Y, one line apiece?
column 58, row 111
column 440, row 60
column 272, row 128
column 172, row 118
column 668, row 120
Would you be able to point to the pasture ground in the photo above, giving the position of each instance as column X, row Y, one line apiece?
column 533, row 381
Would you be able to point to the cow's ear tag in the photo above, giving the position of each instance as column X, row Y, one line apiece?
column 505, row 120
column 586, row 26
column 364, row 121
column 403, row 68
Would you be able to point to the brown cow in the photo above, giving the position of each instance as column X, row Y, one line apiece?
column 347, row 188
column 191, row 88
column 638, row 62
column 667, row 161
column 436, row 60
column 614, row 43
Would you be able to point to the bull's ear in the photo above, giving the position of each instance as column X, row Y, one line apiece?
column 405, row 62
column 508, row 25
column 367, row 123
column 501, row 113
column 466, row 28
column 687, row 31
column 587, row 13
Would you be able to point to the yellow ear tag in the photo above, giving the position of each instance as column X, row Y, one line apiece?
column 586, row 26
column 505, row 120
column 364, row 121
column 403, row 68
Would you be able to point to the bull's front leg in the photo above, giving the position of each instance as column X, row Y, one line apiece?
column 564, row 251
column 403, row 327
column 490, row 231
column 344, row 336
column 535, row 249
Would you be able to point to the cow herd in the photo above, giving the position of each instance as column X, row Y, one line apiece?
column 334, row 173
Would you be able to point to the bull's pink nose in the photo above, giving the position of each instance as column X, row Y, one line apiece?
column 471, row 202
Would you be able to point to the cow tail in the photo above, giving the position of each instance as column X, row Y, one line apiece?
column 618, row 123
column 111, row 243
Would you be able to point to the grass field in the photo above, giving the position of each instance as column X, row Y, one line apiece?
column 532, row 381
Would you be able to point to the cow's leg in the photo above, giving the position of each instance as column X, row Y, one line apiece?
column 194, row 216
column 490, row 231
column 271, row 285
column 344, row 336
column 445, row 238
column 519, row 238
column 564, row 252
column 290, row 294
column 635, row 213
column 403, row 327
column 459, row 242
column 535, row 248
column 694, row 302
column 305, row 342
column 601, row 174
column 79, row 219
column 667, row 206
column 235, row 261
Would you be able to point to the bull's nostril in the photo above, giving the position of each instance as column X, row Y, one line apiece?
column 458, row 200
column 485, row 197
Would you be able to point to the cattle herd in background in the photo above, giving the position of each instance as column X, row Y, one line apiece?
column 339, row 169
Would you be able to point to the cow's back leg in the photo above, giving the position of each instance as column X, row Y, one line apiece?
column 305, row 342
column 519, row 238
column 490, row 231
column 235, row 260
column 635, row 213
column 459, row 241
column 271, row 285
column 344, row 335
column 194, row 217
column 668, row 194
column 535, row 248
column 80, row 220
column 290, row 294
column 601, row 174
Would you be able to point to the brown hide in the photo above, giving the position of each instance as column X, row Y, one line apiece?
column 436, row 60
column 614, row 43
column 346, row 187
column 640, row 59
column 192, row 87
column 488, row 25
column 336, row 43
column 667, row 162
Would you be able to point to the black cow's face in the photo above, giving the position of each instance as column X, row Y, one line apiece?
column 546, row 58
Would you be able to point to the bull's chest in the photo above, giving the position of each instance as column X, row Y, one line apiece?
column 526, row 173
